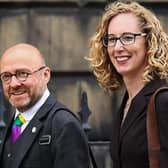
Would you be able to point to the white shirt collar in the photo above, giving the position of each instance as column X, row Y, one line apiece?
column 28, row 115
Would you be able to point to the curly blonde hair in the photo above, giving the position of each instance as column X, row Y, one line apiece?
column 156, row 41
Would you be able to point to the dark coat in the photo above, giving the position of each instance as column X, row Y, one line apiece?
column 53, row 139
column 129, row 141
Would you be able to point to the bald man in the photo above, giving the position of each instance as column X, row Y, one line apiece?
column 50, row 135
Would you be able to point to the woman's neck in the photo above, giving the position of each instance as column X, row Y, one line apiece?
column 133, row 86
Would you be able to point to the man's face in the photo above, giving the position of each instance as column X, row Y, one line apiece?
column 24, row 94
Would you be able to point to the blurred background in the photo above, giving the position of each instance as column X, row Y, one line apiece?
column 61, row 30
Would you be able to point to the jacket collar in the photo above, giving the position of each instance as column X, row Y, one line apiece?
column 29, row 135
column 138, row 105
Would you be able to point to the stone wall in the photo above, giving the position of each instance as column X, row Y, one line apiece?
column 61, row 30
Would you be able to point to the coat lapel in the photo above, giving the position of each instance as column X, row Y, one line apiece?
column 133, row 113
column 28, row 137
column 139, row 104
column 31, row 132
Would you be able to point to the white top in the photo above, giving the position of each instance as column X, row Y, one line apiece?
column 29, row 114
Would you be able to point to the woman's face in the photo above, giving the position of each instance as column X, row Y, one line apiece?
column 128, row 59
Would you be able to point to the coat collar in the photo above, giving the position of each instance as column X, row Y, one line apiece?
column 138, row 105
column 29, row 134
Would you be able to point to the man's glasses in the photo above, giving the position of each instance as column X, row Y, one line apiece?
column 125, row 39
column 21, row 75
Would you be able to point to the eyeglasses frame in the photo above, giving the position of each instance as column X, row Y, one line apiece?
column 15, row 74
column 119, row 38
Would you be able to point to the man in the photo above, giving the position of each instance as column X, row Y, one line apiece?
column 51, row 137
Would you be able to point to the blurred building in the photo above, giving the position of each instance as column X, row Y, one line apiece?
column 61, row 30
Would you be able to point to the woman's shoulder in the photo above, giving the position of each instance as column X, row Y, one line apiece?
column 162, row 96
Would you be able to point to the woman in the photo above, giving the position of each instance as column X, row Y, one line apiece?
column 130, row 48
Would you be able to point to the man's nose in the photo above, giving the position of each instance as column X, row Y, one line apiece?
column 14, row 81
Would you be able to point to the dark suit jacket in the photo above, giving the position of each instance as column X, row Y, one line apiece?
column 68, row 147
column 129, row 141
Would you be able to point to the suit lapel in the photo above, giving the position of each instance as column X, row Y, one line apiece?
column 27, row 138
column 31, row 132
column 133, row 113
column 138, row 105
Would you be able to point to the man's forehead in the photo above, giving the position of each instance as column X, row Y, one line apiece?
column 21, row 55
